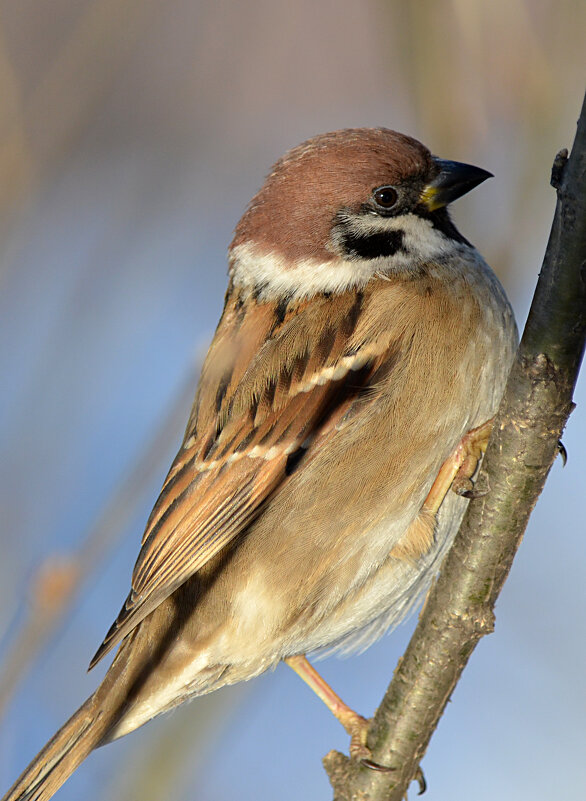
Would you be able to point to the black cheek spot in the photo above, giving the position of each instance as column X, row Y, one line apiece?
column 372, row 246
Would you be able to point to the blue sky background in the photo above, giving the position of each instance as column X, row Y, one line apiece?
column 132, row 135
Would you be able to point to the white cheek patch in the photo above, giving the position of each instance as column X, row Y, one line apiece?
column 254, row 268
column 423, row 242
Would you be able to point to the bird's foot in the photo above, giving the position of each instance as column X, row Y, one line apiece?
column 471, row 448
column 457, row 471
column 353, row 723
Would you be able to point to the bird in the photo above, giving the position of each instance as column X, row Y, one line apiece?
column 341, row 413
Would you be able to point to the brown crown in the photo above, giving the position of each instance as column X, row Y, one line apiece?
column 292, row 213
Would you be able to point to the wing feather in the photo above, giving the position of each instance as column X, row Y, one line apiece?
column 295, row 389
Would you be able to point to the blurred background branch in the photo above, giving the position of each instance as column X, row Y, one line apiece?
column 132, row 134
column 60, row 578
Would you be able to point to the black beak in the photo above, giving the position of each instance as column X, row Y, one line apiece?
column 453, row 180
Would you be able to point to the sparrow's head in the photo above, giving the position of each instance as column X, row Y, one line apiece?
column 345, row 206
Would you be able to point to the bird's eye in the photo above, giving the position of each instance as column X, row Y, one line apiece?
column 385, row 197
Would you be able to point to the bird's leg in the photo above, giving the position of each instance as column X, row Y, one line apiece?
column 355, row 724
column 457, row 471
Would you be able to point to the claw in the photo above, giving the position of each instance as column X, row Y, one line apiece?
column 562, row 452
column 463, row 486
column 357, row 728
column 478, row 489
column 368, row 763
column 420, row 778
column 459, row 468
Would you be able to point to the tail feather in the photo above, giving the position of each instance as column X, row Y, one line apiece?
column 88, row 728
column 131, row 684
column 61, row 756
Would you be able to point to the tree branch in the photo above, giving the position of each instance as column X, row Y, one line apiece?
column 523, row 446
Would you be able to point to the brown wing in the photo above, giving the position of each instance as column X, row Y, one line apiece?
column 275, row 383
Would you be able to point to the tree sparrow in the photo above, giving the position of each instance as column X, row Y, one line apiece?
column 363, row 348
